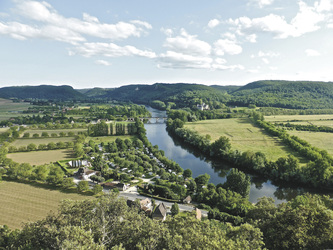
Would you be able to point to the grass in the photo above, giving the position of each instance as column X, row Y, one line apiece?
column 9, row 109
column 326, row 123
column 285, row 118
column 3, row 130
column 317, row 139
column 50, row 131
column 243, row 136
column 107, row 139
column 21, row 203
column 37, row 141
column 42, row 157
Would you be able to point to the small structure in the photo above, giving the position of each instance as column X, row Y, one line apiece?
column 112, row 185
column 203, row 106
column 145, row 203
column 198, row 214
column 86, row 173
column 187, row 200
column 160, row 212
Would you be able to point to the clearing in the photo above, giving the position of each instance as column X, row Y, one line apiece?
column 42, row 157
column 21, row 203
column 37, row 141
column 243, row 135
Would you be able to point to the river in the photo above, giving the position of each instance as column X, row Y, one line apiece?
column 189, row 158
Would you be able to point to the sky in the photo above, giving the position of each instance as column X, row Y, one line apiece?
column 110, row 43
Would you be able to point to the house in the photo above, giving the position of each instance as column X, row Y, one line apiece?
column 160, row 212
column 203, row 106
column 145, row 203
column 112, row 185
column 187, row 200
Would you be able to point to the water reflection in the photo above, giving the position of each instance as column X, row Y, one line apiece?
column 189, row 157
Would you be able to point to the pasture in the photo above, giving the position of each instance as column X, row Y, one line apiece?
column 106, row 139
column 56, row 131
column 9, row 109
column 25, row 142
column 305, row 118
column 243, row 135
column 42, row 157
column 21, row 203
column 320, row 140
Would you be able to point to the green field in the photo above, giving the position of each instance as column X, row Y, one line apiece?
column 320, row 140
column 9, row 109
column 285, row 118
column 243, row 136
column 23, row 203
column 3, row 130
column 42, row 157
column 37, row 141
column 57, row 131
column 106, row 139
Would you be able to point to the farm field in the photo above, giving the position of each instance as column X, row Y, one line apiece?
column 37, row 141
column 22, row 203
column 285, row 118
column 3, row 130
column 317, row 139
column 8, row 108
column 57, row 131
column 243, row 136
column 106, row 139
column 326, row 123
column 42, row 157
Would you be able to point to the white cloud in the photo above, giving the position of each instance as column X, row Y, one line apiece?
column 262, row 3
column 308, row 19
column 227, row 46
column 188, row 52
column 172, row 59
column 109, row 50
column 188, row 44
column 50, row 24
column 265, row 60
column 312, row 52
column 102, row 62
column 268, row 54
column 251, row 38
column 213, row 23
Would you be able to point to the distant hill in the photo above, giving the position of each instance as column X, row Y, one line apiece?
column 183, row 94
column 227, row 89
column 41, row 92
column 285, row 94
column 94, row 92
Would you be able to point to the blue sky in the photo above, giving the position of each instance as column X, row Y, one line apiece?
column 108, row 43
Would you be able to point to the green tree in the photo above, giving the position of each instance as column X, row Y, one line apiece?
column 187, row 173
column 97, row 189
column 174, row 209
column 202, row 180
column 83, row 186
column 68, row 183
column 238, row 182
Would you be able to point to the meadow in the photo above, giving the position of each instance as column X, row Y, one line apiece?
column 317, row 139
column 42, row 157
column 106, row 139
column 21, row 203
column 8, row 108
column 56, row 131
column 25, row 142
column 243, row 135
column 285, row 118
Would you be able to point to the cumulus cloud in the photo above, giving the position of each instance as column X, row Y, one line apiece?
column 51, row 25
column 188, row 44
column 109, row 50
column 308, row 19
column 186, row 51
column 213, row 23
column 227, row 46
column 312, row 52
